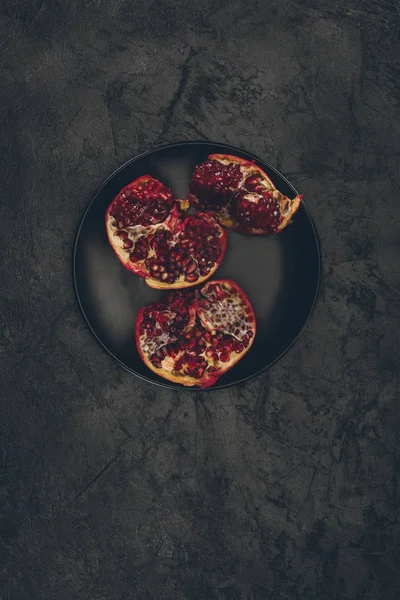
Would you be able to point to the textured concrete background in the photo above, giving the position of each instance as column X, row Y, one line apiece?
column 286, row 487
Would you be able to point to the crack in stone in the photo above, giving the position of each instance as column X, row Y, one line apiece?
column 94, row 479
column 183, row 80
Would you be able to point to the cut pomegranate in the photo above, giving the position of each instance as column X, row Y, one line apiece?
column 241, row 195
column 153, row 236
column 192, row 337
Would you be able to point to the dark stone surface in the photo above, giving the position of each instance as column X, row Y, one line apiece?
column 287, row 486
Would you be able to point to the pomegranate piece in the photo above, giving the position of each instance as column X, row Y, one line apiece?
column 241, row 195
column 214, row 182
column 257, row 211
column 193, row 336
column 153, row 236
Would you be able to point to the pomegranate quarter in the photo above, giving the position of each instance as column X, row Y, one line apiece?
column 153, row 236
column 241, row 195
column 194, row 336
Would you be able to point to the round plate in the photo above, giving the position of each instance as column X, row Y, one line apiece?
column 279, row 273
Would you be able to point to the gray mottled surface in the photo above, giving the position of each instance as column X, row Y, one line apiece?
column 287, row 486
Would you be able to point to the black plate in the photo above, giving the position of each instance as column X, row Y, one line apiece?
column 279, row 273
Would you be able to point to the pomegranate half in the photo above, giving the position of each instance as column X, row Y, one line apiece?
column 241, row 195
column 153, row 236
column 192, row 337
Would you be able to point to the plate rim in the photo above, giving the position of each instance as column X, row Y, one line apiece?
column 176, row 386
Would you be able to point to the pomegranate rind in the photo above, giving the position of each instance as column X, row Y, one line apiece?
column 176, row 214
column 208, row 379
column 248, row 169
column 294, row 207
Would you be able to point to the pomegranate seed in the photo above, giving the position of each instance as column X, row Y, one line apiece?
column 190, row 267
column 173, row 350
column 127, row 244
column 192, row 362
column 224, row 357
column 211, row 352
column 252, row 183
column 192, row 277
